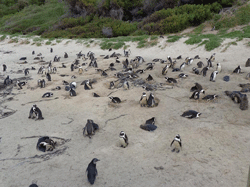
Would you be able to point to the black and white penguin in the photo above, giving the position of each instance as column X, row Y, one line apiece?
column 196, row 71
column 126, row 85
column 115, row 99
column 218, row 68
column 106, row 57
column 35, row 112
column 23, row 58
column 149, row 125
column 149, row 78
column 210, row 97
column 191, row 114
column 143, row 101
column 204, row 71
column 42, row 83
column 65, row 83
column 90, row 128
column 20, row 84
column 112, row 85
column 26, row 71
column 72, row 67
column 182, row 66
column 197, row 87
column 33, row 185
column 45, row 144
column 190, row 61
column 237, row 70
column 197, row 57
column 104, row 74
column 7, row 81
column 87, row 85
column 200, row 64
column 176, row 144
column 165, row 70
column 4, row 67
column 150, row 66
column 176, row 69
column 33, row 52
column 140, row 71
column 96, row 95
column 92, row 171
column 151, row 100
column 72, row 85
column 58, row 88
column 51, row 50
column 148, row 88
column 66, row 55
column 123, row 139
column 195, row 95
column 48, row 76
column 72, row 92
column 213, row 76
column 63, row 66
column 47, row 94
column 183, row 75
column 171, row 80
column 179, row 57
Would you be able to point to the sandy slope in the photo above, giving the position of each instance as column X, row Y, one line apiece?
column 215, row 146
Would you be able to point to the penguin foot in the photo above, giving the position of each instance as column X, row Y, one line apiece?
column 173, row 150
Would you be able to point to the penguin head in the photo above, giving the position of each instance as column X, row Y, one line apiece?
column 166, row 78
column 144, row 94
column 198, row 114
column 122, row 134
column 216, row 72
column 194, row 69
column 95, row 160
column 110, row 97
column 178, row 138
column 202, row 91
column 152, row 95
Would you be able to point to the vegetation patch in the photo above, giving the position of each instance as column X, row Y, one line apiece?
column 173, row 38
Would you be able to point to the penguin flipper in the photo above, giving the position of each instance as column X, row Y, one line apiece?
column 180, row 144
column 171, row 143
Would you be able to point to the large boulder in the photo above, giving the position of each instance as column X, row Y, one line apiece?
column 248, row 63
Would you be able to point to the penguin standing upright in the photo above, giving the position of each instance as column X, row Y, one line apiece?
column 89, row 128
column 213, row 76
column 143, row 101
column 218, row 68
column 165, row 70
column 35, row 112
column 4, row 67
column 87, row 85
column 237, row 70
column 151, row 100
column 126, row 85
column 72, row 67
column 123, row 139
column 48, row 77
column 111, row 85
column 204, row 71
column 92, row 171
column 26, row 71
column 51, row 50
column 66, row 55
column 182, row 66
column 72, row 92
column 176, row 144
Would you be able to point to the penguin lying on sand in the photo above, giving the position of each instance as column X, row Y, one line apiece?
column 45, row 144
column 149, row 125
column 90, row 128
column 191, row 114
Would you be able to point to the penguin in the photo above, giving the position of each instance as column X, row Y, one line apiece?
column 197, row 57
column 151, row 101
column 35, row 112
column 218, row 68
column 72, row 67
column 73, row 77
column 112, row 85
column 20, row 84
column 176, row 69
column 237, row 70
column 7, row 81
column 209, row 97
column 209, row 63
column 47, row 94
column 32, row 114
column 143, row 101
column 39, row 54
column 26, row 71
column 179, row 57
column 67, row 88
column 72, row 85
column 170, row 60
column 45, row 144
column 33, row 52
column 182, row 75
column 51, row 50
column 72, row 92
column 204, row 71
column 96, row 95
column 48, row 77
column 191, row 114
column 115, row 99
column 171, row 80
column 92, row 171
column 33, row 185
column 126, row 85
column 148, row 88
column 140, row 71
column 63, row 66
column 200, row 64
column 104, row 74
column 176, row 144
column 58, row 88
column 23, row 58
column 87, row 85
column 123, row 139
column 106, row 57
column 212, row 58
column 197, row 87
column 196, row 71
column 65, row 83
column 149, row 78
column 182, row 66
column 90, row 128
column 213, row 76
column 149, row 125
column 4, row 67
column 66, row 55
column 190, row 61
column 195, row 95
column 165, row 70
column 150, row 67
column 80, row 70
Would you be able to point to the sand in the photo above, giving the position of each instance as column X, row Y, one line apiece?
column 215, row 148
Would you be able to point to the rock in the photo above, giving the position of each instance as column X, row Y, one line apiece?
column 248, row 62
column 226, row 78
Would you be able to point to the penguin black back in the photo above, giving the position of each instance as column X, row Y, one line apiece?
column 92, row 171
